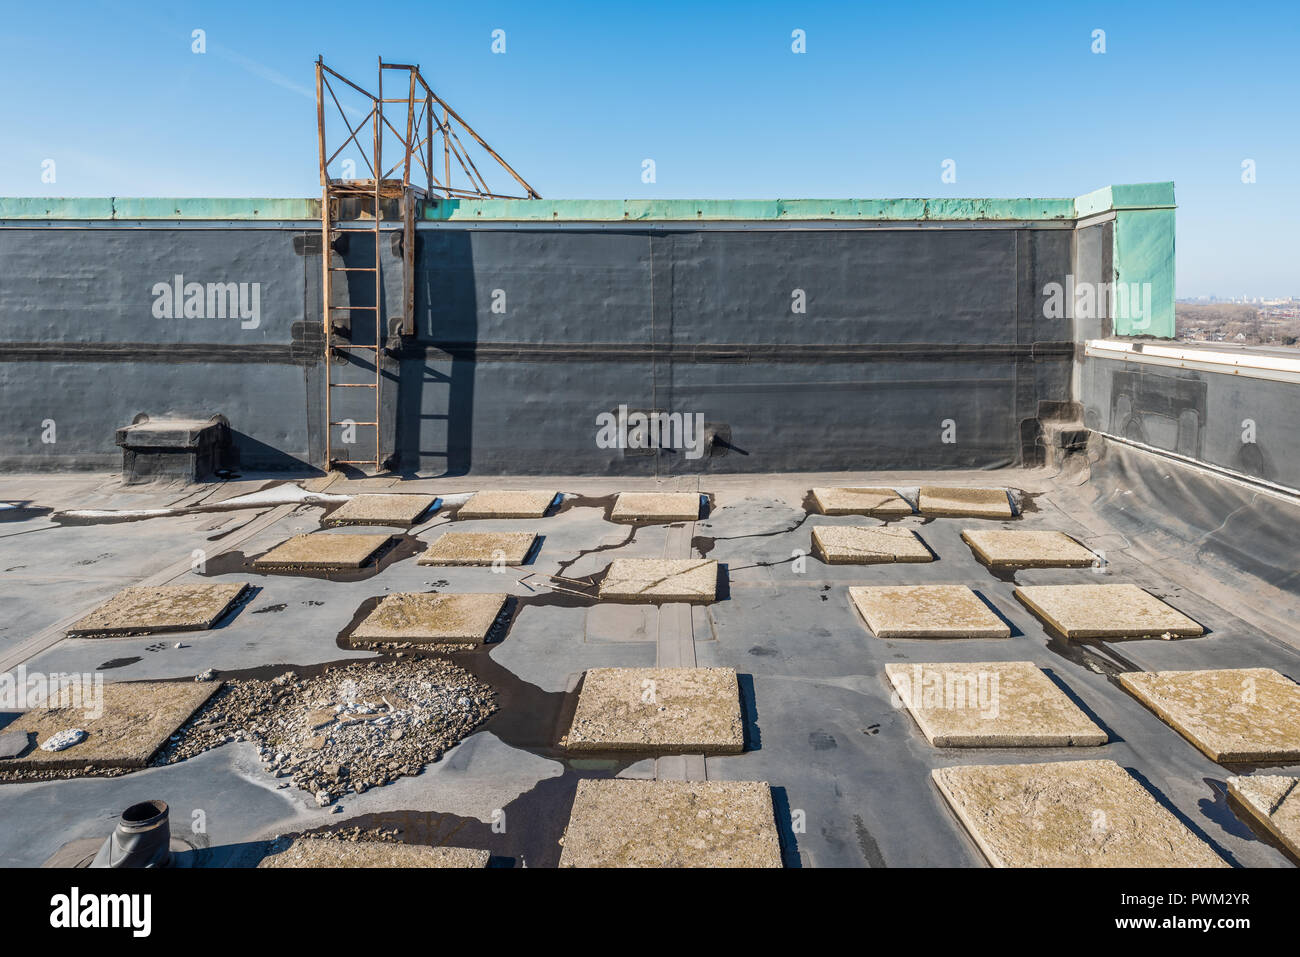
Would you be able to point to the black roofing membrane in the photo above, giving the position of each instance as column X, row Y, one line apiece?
column 819, row 723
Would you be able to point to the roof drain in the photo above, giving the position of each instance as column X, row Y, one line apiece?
column 142, row 838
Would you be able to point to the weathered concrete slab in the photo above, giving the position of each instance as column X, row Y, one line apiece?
column 660, row 580
column 868, row 545
column 1105, row 611
column 992, row 704
column 860, row 501
column 656, row 507
column 146, row 609
column 424, row 617
column 502, row 504
column 1068, row 814
column 695, row 710
column 964, row 502
column 135, row 719
column 619, row 823
column 1233, row 715
column 926, row 611
column 319, row 852
column 324, row 550
column 1273, row 801
column 479, row 548
column 1004, row 548
column 399, row 509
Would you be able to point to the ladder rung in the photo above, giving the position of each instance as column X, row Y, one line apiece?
column 353, row 385
column 376, row 424
column 368, row 308
column 332, row 346
column 352, row 268
column 354, row 229
column 374, row 462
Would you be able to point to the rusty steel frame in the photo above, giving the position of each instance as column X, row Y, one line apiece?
column 423, row 126
column 416, row 143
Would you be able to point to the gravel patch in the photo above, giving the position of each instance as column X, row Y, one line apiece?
column 349, row 729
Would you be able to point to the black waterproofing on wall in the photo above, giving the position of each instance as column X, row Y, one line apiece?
column 785, row 349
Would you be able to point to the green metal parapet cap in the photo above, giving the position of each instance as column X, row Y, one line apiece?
column 1127, row 197
column 157, row 208
column 1134, row 196
column 733, row 210
column 1137, row 196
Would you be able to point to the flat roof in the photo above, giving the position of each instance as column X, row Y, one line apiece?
column 821, row 723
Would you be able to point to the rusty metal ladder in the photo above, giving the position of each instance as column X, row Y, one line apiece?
column 414, row 134
column 336, row 190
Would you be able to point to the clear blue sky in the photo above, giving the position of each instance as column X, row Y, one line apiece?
column 711, row 91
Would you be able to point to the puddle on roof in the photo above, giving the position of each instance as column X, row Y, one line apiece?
column 704, row 543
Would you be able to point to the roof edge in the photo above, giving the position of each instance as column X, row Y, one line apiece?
column 1116, row 197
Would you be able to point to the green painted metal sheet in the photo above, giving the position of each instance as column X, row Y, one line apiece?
column 760, row 210
column 216, row 208
column 1134, row 196
column 1128, row 196
column 25, row 207
column 1144, row 267
column 132, row 208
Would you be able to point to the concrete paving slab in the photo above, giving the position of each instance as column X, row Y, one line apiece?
column 319, row 852
column 868, row 545
column 991, row 704
column 507, row 504
column 1106, row 611
column 133, row 722
column 1273, row 802
column 621, row 823
column 964, row 502
column 1008, row 548
column 1068, row 814
column 146, row 609
column 399, row 509
column 695, row 710
column 421, row 617
column 660, row 580
column 860, row 501
column 926, row 611
column 1232, row 715
column 479, row 548
column 323, row 550
column 656, row 507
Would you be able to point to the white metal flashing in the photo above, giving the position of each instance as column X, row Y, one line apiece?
column 1254, row 365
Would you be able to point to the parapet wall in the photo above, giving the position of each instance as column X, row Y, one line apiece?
column 801, row 335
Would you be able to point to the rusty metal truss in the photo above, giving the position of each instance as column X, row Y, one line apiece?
column 406, row 129
column 416, row 123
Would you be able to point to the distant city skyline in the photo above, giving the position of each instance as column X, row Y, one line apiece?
column 754, row 100
column 1251, row 300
